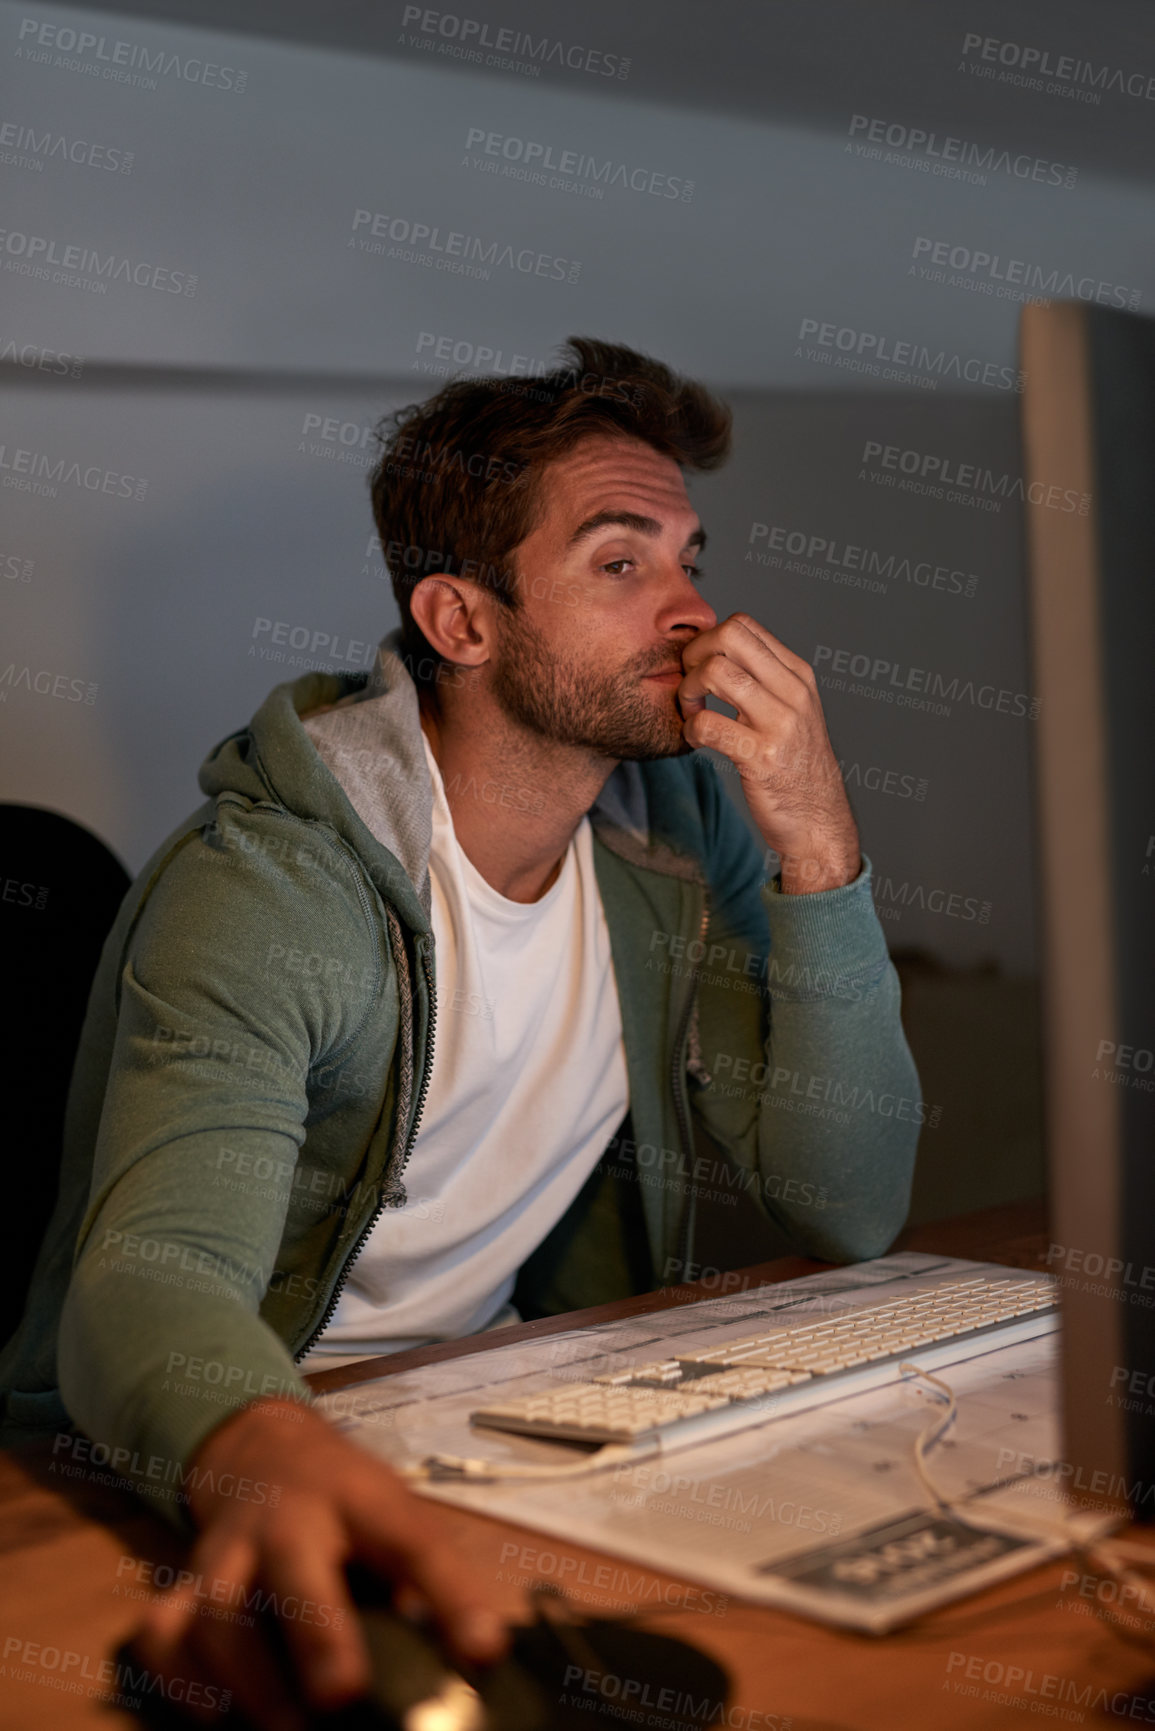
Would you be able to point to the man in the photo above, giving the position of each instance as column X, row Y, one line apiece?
column 271, row 1155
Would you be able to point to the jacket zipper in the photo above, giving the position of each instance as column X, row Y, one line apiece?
column 395, row 1178
column 678, row 1084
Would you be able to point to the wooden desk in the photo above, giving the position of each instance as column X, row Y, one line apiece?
column 1017, row 1655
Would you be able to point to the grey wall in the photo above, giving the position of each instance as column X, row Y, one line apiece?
column 255, row 308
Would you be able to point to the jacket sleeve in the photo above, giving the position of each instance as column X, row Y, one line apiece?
column 161, row 1336
column 811, row 1086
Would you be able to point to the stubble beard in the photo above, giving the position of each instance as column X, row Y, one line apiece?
column 608, row 713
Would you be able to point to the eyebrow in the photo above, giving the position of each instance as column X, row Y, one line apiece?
column 628, row 520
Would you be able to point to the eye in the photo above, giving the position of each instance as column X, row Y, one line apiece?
column 610, row 566
column 694, row 571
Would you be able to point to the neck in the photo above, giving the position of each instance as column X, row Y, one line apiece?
column 516, row 799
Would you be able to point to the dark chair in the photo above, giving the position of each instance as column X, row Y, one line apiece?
column 60, row 888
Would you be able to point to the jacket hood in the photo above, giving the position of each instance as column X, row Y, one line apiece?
column 360, row 767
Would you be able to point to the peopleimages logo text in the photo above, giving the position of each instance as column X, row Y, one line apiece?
column 36, row 253
column 40, row 359
column 106, row 57
column 957, row 155
column 988, row 269
column 891, row 682
column 930, row 472
column 529, row 158
column 455, row 250
column 853, row 564
column 865, row 351
column 25, row 147
column 469, row 35
column 1066, row 68
column 31, row 471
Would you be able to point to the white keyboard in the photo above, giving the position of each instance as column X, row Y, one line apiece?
column 744, row 1382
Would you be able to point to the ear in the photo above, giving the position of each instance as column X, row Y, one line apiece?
column 454, row 616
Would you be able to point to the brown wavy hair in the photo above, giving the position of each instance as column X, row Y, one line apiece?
column 457, row 487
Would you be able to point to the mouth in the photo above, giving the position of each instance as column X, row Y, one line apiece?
column 667, row 676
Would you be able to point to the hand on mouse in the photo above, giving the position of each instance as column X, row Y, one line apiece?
column 337, row 1504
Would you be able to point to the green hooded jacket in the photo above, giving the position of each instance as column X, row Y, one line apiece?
column 258, row 1043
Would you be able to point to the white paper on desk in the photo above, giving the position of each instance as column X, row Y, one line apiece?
column 820, row 1512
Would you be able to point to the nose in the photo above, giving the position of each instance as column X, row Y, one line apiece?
column 687, row 608
column 684, row 606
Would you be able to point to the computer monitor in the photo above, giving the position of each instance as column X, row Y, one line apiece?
column 1089, row 471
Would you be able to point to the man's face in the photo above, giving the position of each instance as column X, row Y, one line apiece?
column 591, row 654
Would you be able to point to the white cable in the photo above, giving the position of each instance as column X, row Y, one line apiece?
column 927, row 1438
column 477, row 1471
column 1039, row 1528
column 1106, row 1557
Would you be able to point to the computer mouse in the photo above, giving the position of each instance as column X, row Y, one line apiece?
column 562, row 1673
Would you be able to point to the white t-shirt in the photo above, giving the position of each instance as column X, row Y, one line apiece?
column 528, row 1085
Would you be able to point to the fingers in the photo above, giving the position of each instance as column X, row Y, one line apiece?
column 475, row 1631
column 780, row 733
column 205, row 1643
column 750, row 646
column 404, row 1537
column 305, row 1571
column 797, row 664
column 168, row 1624
column 286, row 1563
column 163, row 1649
column 720, row 733
column 238, row 1654
column 720, row 676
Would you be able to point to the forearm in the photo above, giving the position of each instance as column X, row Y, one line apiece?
column 839, row 1118
column 160, row 1334
column 149, row 1370
column 839, row 1101
column 812, row 1084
